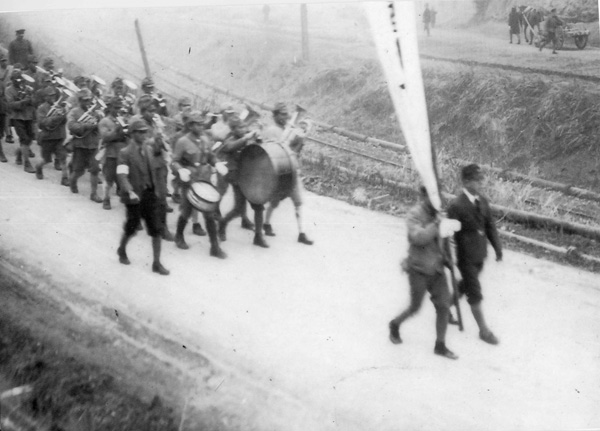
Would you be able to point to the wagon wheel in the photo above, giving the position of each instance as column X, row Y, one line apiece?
column 581, row 41
column 560, row 38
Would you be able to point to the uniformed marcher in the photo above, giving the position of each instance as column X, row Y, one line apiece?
column 137, row 189
column 5, row 74
column 148, row 88
column 160, row 158
column 230, row 151
column 22, row 114
column 82, row 122
column 52, row 122
column 194, row 161
column 19, row 49
column 3, row 116
column 112, row 133
column 294, row 143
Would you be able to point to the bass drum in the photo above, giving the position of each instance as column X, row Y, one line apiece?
column 266, row 171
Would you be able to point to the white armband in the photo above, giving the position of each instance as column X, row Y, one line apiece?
column 123, row 169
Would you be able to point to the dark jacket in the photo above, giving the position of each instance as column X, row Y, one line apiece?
column 140, row 172
column 476, row 228
column 85, row 134
column 53, row 127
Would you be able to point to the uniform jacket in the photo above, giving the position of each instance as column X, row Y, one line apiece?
column 3, row 102
column 424, row 253
column 18, row 50
column 20, row 106
column 83, row 135
column 113, row 138
column 161, row 154
column 477, row 227
column 53, row 127
column 141, row 174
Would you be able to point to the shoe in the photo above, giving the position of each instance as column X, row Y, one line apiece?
column 64, row 182
column 29, row 169
column 38, row 173
column 94, row 197
column 180, row 243
column 489, row 337
column 218, row 253
column 3, row 158
column 197, row 229
column 247, row 224
column 170, row 209
column 106, row 204
column 167, row 236
column 394, row 333
column 260, row 241
column 222, row 233
column 268, row 230
column 73, row 187
column 57, row 165
column 123, row 256
column 176, row 198
column 304, row 240
column 19, row 161
column 159, row 269
column 442, row 350
column 10, row 140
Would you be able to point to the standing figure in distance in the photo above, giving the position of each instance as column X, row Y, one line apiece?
column 137, row 184
column 514, row 25
column 472, row 210
column 552, row 24
column 427, row 18
column 19, row 49
column 22, row 117
column 425, row 267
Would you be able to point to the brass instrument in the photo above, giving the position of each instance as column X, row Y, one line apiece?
column 87, row 116
column 297, row 127
column 60, row 103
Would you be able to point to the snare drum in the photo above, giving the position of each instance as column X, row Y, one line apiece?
column 203, row 196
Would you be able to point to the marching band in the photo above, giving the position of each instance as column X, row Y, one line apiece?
column 191, row 157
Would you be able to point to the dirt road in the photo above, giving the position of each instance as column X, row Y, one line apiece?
column 298, row 335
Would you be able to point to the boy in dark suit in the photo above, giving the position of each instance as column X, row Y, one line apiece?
column 477, row 227
column 137, row 184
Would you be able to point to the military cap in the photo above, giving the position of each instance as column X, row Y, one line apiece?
column 21, row 31
column 235, row 121
column 117, row 81
column 227, row 108
column 32, row 58
column 471, row 172
column 84, row 93
column 137, row 123
column 79, row 80
column 279, row 107
column 16, row 74
column 145, row 101
column 47, row 63
column 115, row 101
column 49, row 91
column 184, row 101
column 147, row 82
column 194, row 117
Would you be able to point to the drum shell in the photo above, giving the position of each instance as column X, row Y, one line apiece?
column 266, row 171
column 199, row 202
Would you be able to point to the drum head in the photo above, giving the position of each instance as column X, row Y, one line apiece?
column 206, row 191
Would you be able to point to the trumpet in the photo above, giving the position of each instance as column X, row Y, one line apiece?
column 297, row 127
column 123, row 123
column 162, row 104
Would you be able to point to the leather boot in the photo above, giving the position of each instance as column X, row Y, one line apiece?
column 3, row 158
column 215, row 249
column 121, row 250
column 268, row 229
column 26, row 163
column 18, row 156
column 94, row 180
column 156, row 265
column 179, row 239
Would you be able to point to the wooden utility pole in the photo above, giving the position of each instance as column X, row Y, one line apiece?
column 304, row 22
column 142, row 49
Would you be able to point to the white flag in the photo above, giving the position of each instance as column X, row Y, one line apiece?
column 394, row 29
